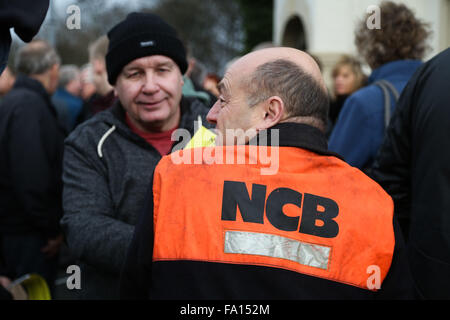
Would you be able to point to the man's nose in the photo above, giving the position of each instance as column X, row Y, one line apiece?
column 211, row 117
column 150, row 85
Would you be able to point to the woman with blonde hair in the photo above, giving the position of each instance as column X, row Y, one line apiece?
column 348, row 77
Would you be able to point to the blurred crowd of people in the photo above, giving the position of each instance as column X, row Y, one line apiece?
column 67, row 182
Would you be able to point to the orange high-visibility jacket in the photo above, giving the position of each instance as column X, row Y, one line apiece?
column 315, row 217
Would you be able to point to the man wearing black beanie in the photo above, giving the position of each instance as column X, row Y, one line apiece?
column 140, row 35
column 109, row 160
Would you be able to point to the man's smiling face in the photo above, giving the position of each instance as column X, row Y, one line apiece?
column 150, row 90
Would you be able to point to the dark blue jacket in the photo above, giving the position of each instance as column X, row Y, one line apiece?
column 359, row 131
column 68, row 108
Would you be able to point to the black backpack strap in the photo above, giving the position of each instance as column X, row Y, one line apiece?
column 387, row 88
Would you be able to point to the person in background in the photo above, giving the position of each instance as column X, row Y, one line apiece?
column 413, row 167
column 26, row 17
column 67, row 98
column 193, row 79
column 31, row 154
column 210, row 84
column 394, row 53
column 348, row 77
column 88, row 87
column 109, row 159
column 7, row 79
column 104, row 97
column 88, row 93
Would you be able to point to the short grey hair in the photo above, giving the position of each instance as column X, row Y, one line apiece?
column 302, row 95
column 88, row 69
column 36, row 58
column 67, row 73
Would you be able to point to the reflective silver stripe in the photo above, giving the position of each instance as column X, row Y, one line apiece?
column 269, row 245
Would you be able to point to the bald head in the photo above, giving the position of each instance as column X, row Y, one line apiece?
column 250, row 62
column 267, row 87
column 289, row 74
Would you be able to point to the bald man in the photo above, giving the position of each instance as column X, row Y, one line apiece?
column 224, row 228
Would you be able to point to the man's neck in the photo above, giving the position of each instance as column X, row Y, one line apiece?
column 312, row 121
column 44, row 80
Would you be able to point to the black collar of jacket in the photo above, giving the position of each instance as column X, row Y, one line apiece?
column 298, row 135
column 25, row 82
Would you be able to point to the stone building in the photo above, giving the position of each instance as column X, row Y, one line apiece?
column 326, row 28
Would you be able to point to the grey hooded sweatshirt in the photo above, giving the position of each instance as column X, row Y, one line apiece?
column 107, row 171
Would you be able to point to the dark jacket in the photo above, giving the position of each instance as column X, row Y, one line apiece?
column 25, row 16
column 68, row 107
column 5, row 294
column 95, row 104
column 359, row 130
column 107, row 170
column 336, row 107
column 413, row 167
column 98, row 103
column 143, row 278
column 31, row 152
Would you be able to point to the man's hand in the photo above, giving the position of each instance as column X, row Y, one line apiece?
column 53, row 246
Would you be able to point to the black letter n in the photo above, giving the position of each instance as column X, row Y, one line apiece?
column 235, row 194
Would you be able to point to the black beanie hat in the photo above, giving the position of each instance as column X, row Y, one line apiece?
column 141, row 35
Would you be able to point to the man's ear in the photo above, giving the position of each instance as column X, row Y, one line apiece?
column 55, row 70
column 54, row 73
column 273, row 112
